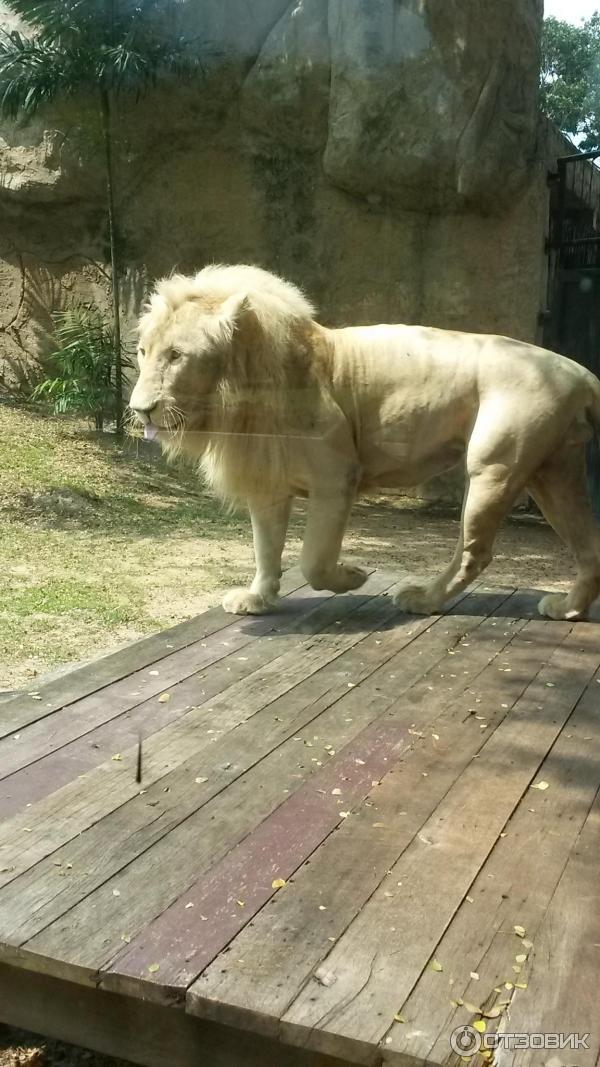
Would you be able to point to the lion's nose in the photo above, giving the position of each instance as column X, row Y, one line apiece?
column 144, row 414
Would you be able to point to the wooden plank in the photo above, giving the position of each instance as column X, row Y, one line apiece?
column 288, row 941
column 145, row 1034
column 221, row 666
column 89, row 937
column 23, row 709
column 514, row 887
column 78, row 805
column 377, row 961
column 48, row 734
column 562, row 991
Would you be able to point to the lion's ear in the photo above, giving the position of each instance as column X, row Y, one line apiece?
column 233, row 310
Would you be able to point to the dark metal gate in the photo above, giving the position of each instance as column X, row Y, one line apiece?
column 573, row 325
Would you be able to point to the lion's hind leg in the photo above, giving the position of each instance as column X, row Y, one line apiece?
column 489, row 497
column 560, row 490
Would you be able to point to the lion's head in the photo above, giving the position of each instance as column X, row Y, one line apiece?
column 213, row 359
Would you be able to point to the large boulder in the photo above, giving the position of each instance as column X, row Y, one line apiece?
column 433, row 102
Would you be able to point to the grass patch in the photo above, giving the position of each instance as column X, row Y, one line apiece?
column 100, row 542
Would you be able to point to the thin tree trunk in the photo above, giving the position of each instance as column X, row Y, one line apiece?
column 105, row 103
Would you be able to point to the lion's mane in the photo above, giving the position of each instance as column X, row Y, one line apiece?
column 265, row 361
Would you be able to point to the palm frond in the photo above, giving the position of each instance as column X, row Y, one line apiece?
column 33, row 73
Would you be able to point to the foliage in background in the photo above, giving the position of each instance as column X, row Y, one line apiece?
column 83, row 354
column 570, row 78
column 95, row 50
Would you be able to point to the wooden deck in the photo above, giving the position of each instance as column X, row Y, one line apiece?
column 355, row 832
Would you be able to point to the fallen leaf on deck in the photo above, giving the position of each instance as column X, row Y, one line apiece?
column 475, row 976
column 117, row 756
column 436, row 966
column 190, row 905
column 527, row 944
column 336, row 792
column 541, row 785
column 520, row 985
column 154, row 967
column 326, row 978
column 201, row 781
column 242, row 903
column 519, row 931
column 378, row 825
column 470, row 899
column 521, row 958
column 399, row 1019
column 126, row 938
column 116, row 892
column 480, row 1025
column 163, row 698
column 278, row 883
column 344, row 814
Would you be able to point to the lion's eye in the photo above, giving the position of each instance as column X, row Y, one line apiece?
column 175, row 355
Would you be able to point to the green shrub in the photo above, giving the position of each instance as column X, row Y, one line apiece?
column 83, row 355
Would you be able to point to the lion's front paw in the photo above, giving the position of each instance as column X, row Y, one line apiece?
column 345, row 577
column 554, row 606
column 417, row 598
column 245, row 602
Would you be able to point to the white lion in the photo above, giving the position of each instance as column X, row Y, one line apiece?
column 234, row 370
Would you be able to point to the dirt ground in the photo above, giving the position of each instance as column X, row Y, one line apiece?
column 102, row 543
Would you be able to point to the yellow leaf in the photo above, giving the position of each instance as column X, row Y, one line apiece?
column 163, row 698
column 242, row 903
column 398, row 1019
column 519, row 931
column 520, row 958
column 201, row 781
column 541, row 786
column 436, row 966
column 154, row 967
column 278, row 883
column 527, row 944
column 117, row 756
column 520, row 985
column 480, row 1025
column 508, row 985
column 474, row 976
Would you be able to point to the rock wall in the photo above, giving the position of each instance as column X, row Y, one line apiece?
column 385, row 154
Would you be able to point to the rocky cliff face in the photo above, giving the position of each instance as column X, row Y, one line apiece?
column 384, row 153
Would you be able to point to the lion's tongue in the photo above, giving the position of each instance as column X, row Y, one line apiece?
column 150, row 433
